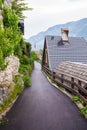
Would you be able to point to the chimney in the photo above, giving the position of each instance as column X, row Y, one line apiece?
column 65, row 32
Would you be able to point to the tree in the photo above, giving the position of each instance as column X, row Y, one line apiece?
column 19, row 7
column 34, row 56
column 1, row 2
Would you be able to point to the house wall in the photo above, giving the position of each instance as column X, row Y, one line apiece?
column 45, row 60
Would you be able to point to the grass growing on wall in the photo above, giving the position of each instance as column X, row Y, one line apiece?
column 15, row 89
column 12, row 42
column 27, row 80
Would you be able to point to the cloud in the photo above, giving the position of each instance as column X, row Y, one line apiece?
column 49, row 13
column 75, row 0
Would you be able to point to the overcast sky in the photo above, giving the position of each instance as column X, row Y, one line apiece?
column 47, row 13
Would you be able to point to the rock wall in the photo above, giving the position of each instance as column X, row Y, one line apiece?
column 6, row 76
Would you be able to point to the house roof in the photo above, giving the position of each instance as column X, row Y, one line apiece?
column 75, row 51
column 73, row 69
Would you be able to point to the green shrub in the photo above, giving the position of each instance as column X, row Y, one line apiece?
column 29, row 69
column 12, row 42
column 77, row 99
column 18, row 84
column 84, row 111
column 25, row 69
column 32, row 62
column 9, row 18
column 15, row 89
column 3, row 121
column 24, row 60
column 1, row 4
column 11, row 35
column 23, row 47
column 3, row 64
column 18, row 51
column 34, row 56
column 27, row 81
column 1, row 58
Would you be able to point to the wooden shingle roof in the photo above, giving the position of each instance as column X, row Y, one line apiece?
column 75, row 51
column 73, row 69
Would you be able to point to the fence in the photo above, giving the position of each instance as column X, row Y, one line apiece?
column 72, row 84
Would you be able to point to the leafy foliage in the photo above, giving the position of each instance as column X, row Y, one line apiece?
column 12, row 42
column 10, row 36
column 27, row 81
column 18, row 8
column 25, row 69
column 34, row 55
column 10, row 18
column 16, row 89
column 25, row 60
column 28, row 48
column 77, row 99
column 1, row 57
column 1, row 2
column 18, row 84
column 84, row 111
column 3, row 121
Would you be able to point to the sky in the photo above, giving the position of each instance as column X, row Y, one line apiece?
column 47, row 13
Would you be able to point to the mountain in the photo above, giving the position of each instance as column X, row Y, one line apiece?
column 76, row 29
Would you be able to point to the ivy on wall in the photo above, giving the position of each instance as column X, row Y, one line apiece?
column 11, row 39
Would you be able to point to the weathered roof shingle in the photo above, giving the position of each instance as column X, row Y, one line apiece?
column 75, row 51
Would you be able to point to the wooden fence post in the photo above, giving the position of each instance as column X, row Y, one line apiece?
column 53, row 76
column 62, row 76
column 79, row 83
column 72, row 84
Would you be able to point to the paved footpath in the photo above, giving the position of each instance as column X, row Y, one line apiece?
column 43, row 107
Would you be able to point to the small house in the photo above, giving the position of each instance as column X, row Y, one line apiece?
column 62, row 48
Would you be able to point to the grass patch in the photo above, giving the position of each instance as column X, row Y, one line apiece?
column 14, row 91
column 26, row 71
column 83, row 111
column 3, row 121
column 61, row 88
column 76, row 99
column 27, row 80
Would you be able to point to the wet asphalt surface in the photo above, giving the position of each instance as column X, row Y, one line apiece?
column 43, row 107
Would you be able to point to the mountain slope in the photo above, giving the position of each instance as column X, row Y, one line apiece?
column 76, row 28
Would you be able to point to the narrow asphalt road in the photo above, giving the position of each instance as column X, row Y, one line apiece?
column 43, row 107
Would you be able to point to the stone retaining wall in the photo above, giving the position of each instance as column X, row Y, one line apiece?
column 6, row 76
